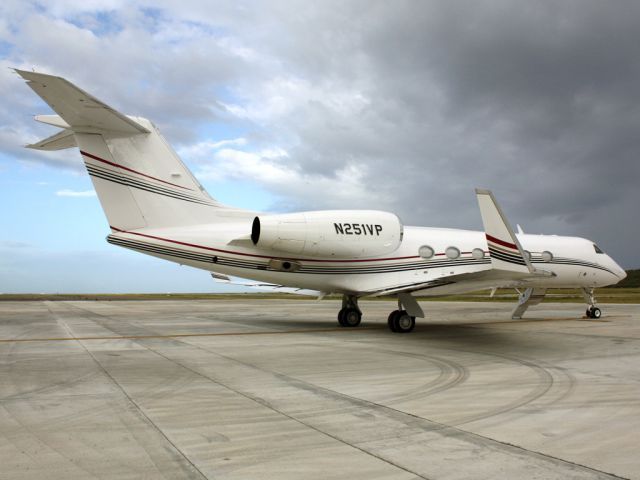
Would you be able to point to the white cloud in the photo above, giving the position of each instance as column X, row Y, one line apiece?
column 272, row 169
column 74, row 193
column 203, row 151
column 282, row 96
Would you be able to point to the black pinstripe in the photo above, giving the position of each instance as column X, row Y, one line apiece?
column 324, row 270
column 506, row 257
column 111, row 176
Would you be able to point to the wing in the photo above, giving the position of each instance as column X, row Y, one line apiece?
column 510, row 266
column 460, row 283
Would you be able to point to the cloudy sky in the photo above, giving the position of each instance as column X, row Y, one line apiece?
column 292, row 105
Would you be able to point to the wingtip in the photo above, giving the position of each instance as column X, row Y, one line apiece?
column 19, row 71
column 483, row 191
column 32, row 75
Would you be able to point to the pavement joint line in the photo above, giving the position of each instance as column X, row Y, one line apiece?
column 440, row 425
column 127, row 396
column 576, row 323
column 181, row 335
column 256, row 399
column 266, row 404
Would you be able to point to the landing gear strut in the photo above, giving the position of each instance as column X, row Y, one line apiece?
column 350, row 315
column 592, row 311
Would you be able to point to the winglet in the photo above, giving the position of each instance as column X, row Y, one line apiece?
column 504, row 248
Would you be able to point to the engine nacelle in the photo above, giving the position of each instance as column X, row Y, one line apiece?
column 331, row 233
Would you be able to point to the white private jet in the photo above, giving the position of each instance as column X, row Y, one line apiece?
column 154, row 205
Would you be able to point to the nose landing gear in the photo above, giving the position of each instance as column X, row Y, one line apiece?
column 592, row 311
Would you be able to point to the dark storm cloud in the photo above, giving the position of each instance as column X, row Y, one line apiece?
column 537, row 100
column 422, row 100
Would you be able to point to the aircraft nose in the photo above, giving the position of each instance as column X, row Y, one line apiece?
column 619, row 271
column 622, row 274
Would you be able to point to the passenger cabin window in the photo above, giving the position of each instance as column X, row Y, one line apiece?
column 597, row 248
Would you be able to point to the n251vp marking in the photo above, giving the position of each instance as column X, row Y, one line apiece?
column 357, row 229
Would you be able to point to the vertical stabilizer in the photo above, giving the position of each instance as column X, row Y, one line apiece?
column 140, row 180
column 116, row 198
column 142, row 173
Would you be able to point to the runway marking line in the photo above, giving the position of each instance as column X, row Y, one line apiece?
column 540, row 320
column 180, row 335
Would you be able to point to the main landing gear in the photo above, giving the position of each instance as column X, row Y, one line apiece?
column 403, row 320
column 592, row 310
column 400, row 321
column 350, row 314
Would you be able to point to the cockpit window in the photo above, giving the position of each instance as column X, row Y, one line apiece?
column 597, row 248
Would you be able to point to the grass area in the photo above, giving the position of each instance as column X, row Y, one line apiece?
column 105, row 297
column 603, row 295
column 632, row 280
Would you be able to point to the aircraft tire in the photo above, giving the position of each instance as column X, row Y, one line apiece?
column 341, row 317
column 351, row 317
column 403, row 322
column 588, row 314
column 595, row 312
column 391, row 320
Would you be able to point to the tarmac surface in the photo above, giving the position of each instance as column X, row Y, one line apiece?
column 273, row 389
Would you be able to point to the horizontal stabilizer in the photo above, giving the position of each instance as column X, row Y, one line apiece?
column 54, row 120
column 81, row 111
column 59, row 141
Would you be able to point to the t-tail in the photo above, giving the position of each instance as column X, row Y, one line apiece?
column 140, row 180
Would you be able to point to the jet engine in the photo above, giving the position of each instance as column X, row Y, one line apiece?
column 339, row 234
column 336, row 234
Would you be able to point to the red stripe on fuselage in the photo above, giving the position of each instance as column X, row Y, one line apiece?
column 86, row 154
column 261, row 256
column 501, row 242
